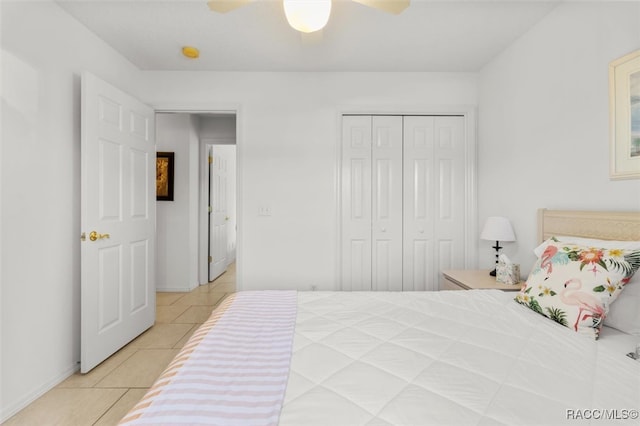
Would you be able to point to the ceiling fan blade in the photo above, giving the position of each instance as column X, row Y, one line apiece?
column 391, row 6
column 224, row 6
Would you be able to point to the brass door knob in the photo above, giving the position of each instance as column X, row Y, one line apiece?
column 93, row 236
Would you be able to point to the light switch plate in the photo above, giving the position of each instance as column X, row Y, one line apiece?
column 264, row 211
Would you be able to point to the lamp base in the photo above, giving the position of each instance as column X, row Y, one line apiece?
column 497, row 247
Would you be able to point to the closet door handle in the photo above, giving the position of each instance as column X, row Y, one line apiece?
column 93, row 236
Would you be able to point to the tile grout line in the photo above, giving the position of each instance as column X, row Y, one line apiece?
column 126, row 390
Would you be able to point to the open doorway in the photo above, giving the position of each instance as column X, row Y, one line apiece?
column 189, row 243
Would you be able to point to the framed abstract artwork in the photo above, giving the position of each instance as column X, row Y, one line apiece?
column 624, row 105
column 164, row 176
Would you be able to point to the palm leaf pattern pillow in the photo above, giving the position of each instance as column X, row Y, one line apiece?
column 574, row 285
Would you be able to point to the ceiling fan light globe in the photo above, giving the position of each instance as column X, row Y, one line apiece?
column 307, row 16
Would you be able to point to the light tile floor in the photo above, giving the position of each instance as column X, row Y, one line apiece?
column 104, row 395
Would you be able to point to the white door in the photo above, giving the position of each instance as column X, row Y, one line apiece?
column 434, row 188
column 420, row 199
column 403, row 191
column 450, row 209
column 372, row 203
column 386, row 230
column 218, row 211
column 356, row 203
column 118, row 216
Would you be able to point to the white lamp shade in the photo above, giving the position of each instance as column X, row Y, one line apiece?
column 307, row 16
column 497, row 228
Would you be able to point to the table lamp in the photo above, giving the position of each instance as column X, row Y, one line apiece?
column 497, row 229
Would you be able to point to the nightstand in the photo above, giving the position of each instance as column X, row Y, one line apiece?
column 469, row 279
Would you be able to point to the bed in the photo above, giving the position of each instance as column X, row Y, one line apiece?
column 415, row 358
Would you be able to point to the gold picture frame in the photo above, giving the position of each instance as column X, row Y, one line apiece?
column 164, row 176
column 624, row 102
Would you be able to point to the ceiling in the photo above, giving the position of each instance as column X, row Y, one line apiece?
column 450, row 35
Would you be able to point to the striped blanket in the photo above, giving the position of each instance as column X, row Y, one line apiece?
column 233, row 370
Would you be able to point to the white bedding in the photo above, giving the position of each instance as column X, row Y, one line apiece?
column 457, row 357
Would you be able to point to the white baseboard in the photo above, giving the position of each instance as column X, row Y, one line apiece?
column 14, row 407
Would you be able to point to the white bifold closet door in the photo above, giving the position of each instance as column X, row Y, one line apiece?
column 403, row 183
column 434, row 199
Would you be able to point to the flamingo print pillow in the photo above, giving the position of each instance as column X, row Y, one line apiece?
column 574, row 285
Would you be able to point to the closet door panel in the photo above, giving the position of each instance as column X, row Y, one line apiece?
column 420, row 268
column 434, row 154
column 419, row 203
column 450, row 205
column 403, row 201
column 387, row 203
column 356, row 203
column 358, row 272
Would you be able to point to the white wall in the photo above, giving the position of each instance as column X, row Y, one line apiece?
column 220, row 128
column 287, row 151
column 43, row 53
column 194, row 201
column 543, row 121
column 177, row 220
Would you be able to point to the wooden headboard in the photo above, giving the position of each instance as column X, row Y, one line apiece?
column 602, row 225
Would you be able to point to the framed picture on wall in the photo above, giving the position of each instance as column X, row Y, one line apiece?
column 164, row 176
column 624, row 100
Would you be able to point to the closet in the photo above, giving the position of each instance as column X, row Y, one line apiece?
column 403, row 192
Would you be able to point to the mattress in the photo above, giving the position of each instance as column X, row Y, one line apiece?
column 437, row 358
column 434, row 358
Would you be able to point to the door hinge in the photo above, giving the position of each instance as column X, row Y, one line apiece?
column 210, row 209
column 210, row 259
column 210, row 159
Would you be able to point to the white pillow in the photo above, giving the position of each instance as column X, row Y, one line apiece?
column 624, row 315
column 589, row 242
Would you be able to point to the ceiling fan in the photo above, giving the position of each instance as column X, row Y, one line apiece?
column 310, row 15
